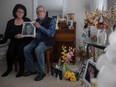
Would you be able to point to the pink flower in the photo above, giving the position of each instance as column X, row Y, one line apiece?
column 68, row 56
column 71, row 53
column 67, row 61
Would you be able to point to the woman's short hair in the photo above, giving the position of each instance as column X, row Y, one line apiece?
column 19, row 6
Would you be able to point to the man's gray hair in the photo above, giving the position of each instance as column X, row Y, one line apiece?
column 41, row 6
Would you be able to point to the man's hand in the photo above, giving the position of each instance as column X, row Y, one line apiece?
column 18, row 36
column 36, row 24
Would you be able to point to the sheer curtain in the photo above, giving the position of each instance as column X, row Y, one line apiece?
column 98, row 4
column 35, row 4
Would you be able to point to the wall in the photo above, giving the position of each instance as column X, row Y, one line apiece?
column 54, row 7
column 77, row 7
column 6, row 7
column 98, row 4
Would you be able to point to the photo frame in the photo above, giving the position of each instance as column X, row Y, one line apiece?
column 81, row 73
column 28, row 29
column 70, row 16
column 70, row 24
column 56, row 20
column 70, row 20
column 90, row 72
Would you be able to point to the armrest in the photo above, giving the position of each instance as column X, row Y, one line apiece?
column 4, row 43
column 3, row 40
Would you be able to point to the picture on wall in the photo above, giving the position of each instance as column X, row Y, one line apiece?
column 28, row 29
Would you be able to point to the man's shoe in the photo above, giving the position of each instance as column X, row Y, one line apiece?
column 29, row 73
column 39, row 77
column 6, row 73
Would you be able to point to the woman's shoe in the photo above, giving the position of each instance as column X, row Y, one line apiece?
column 20, row 73
column 6, row 73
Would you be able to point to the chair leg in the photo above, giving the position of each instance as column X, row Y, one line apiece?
column 49, row 59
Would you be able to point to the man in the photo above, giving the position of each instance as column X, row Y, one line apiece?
column 44, row 40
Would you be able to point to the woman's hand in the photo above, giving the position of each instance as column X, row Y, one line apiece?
column 34, row 37
column 18, row 36
column 36, row 24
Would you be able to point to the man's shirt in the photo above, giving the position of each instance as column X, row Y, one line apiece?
column 50, row 32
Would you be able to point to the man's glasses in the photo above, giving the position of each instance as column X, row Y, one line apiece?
column 40, row 11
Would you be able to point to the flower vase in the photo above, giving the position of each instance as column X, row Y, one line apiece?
column 101, row 39
column 65, row 68
column 101, row 36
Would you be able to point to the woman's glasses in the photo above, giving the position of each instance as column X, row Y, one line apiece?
column 20, row 11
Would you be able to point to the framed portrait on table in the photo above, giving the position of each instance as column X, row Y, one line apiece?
column 90, row 72
column 81, row 73
column 70, row 20
column 28, row 29
column 70, row 24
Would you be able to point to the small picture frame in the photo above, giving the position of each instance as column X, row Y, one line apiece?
column 56, row 20
column 70, row 16
column 81, row 73
column 90, row 72
column 70, row 20
column 70, row 24
column 28, row 29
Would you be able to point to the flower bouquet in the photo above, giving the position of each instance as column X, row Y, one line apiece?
column 67, row 55
column 66, row 59
column 70, row 76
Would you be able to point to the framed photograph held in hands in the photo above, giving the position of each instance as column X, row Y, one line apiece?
column 28, row 29
column 81, row 73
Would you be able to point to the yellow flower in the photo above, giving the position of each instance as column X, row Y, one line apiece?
column 62, row 56
column 65, row 50
column 73, row 78
column 72, row 74
column 62, row 60
column 63, row 47
column 67, row 75
column 94, row 84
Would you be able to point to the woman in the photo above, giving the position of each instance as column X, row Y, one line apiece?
column 17, row 42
